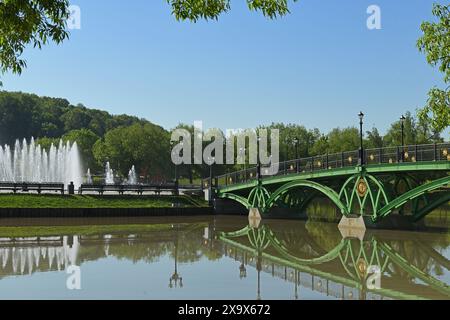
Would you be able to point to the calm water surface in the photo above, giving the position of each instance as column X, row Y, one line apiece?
column 217, row 258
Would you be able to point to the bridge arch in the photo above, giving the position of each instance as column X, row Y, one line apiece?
column 327, row 191
column 413, row 194
column 237, row 198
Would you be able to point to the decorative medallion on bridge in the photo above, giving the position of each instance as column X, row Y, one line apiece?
column 362, row 267
column 362, row 188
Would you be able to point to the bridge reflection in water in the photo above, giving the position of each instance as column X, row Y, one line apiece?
column 342, row 272
column 309, row 256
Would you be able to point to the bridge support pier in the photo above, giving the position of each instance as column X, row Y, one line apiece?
column 254, row 218
column 352, row 227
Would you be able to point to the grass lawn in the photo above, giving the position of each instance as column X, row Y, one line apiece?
column 91, row 201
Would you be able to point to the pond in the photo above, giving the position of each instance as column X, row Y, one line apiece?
column 219, row 257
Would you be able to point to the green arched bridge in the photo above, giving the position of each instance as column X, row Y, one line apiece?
column 411, row 180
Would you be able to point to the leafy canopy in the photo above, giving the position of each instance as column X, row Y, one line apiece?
column 435, row 43
column 33, row 22
column 194, row 10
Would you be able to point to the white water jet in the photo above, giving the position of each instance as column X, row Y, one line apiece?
column 88, row 177
column 109, row 174
column 30, row 163
column 132, row 178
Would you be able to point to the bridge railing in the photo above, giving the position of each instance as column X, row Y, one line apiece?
column 387, row 155
column 411, row 153
column 31, row 186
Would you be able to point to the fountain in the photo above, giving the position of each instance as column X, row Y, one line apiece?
column 33, row 164
column 89, row 177
column 132, row 178
column 109, row 174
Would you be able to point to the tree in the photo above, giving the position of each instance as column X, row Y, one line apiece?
column 29, row 22
column 374, row 139
column 435, row 43
column 425, row 133
column 146, row 146
column 76, row 118
column 346, row 139
column 288, row 133
column 15, row 123
column 415, row 132
column 194, row 10
column 24, row 115
column 320, row 146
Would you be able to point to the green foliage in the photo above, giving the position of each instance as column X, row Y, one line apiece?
column 270, row 8
column 394, row 135
column 288, row 134
column 435, row 43
column 346, row 139
column 29, row 22
column 437, row 110
column 198, row 9
column 25, row 115
column 414, row 133
column 194, row 10
column 320, row 146
column 144, row 145
column 75, row 118
column 373, row 139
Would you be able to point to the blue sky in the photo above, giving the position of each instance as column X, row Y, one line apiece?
column 318, row 66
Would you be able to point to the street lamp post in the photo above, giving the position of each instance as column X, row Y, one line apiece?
column 242, row 268
column 297, row 163
column 402, row 121
column 361, row 147
column 296, row 285
column 211, row 163
column 242, row 153
column 259, row 268
column 296, row 141
column 258, row 164
column 288, row 142
column 176, row 278
column 172, row 143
